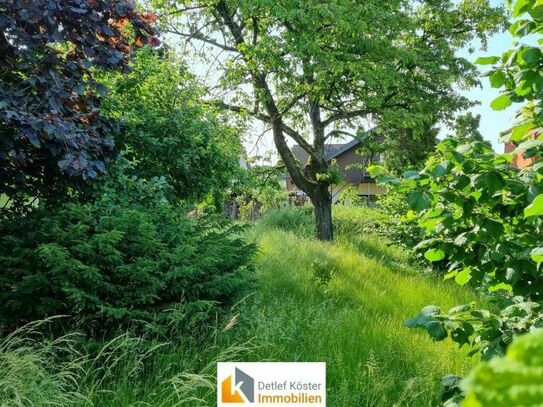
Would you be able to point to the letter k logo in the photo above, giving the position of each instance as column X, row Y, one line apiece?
column 230, row 395
column 244, row 384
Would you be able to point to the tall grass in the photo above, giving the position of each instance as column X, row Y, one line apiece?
column 37, row 371
column 124, row 371
column 354, row 323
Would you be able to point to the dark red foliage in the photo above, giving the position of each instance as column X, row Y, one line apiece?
column 50, row 124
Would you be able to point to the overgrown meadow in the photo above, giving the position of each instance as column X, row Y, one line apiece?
column 352, row 319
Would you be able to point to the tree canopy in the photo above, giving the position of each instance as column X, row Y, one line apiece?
column 313, row 70
column 167, row 130
column 50, row 124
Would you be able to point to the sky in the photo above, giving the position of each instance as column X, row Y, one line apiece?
column 492, row 122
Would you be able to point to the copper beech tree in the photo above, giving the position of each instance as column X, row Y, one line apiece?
column 50, row 124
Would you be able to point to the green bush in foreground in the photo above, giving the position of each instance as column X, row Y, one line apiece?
column 483, row 217
column 515, row 380
column 129, row 258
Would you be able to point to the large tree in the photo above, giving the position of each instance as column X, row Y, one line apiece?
column 50, row 124
column 312, row 70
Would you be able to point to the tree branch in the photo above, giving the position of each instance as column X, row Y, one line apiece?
column 339, row 132
column 297, row 137
column 293, row 102
column 239, row 109
column 343, row 115
column 346, row 115
column 199, row 36
column 266, row 97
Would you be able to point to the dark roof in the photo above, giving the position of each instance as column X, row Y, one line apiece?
column 334, row 150
column 331, row 150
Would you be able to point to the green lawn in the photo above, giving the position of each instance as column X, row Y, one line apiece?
column 354, row 324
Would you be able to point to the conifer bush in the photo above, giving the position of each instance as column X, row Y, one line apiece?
column 127, row 259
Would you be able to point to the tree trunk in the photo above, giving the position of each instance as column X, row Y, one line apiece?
column 322, row 205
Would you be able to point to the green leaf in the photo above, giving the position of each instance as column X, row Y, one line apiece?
column 513, row 380
column 531, row 55
column 427, row 319
column 437, row 330
column 460, row 336
column 459, row 308
column 461, row 239
column 521, row 7
column 527, row 145
column 535, row 208
column 441, row 169
column 463, row 277
column 497, row 79
column 500, row 286
column 524, row 88
column 450, row 275
column 501, row 102
column 486, row 60
column 520, row 131
column 536, row 12
column 430, row 310
column 411, row 175
column 388, row 179
column 537, row 254
column 521, row 28
column 451, row 381
column 489, row 181
column 419, row 200
column 434, row 255
column 533, row 192
column 493, row 228
column 377, row 170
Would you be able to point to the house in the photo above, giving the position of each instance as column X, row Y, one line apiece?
column 518, row 160
column 351, row 166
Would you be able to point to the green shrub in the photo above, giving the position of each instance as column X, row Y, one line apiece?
column 483, row 217
column 515, row 380
column 473, row 208
column 487, row 332
column 350, row 197
column 471, row 205
column 127, row 259
column 395, row 226
column 258, row 191
column 168, row 130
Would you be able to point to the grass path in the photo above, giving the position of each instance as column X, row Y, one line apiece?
column 355, row 323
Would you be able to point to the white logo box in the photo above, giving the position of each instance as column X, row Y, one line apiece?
column 259, row 384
